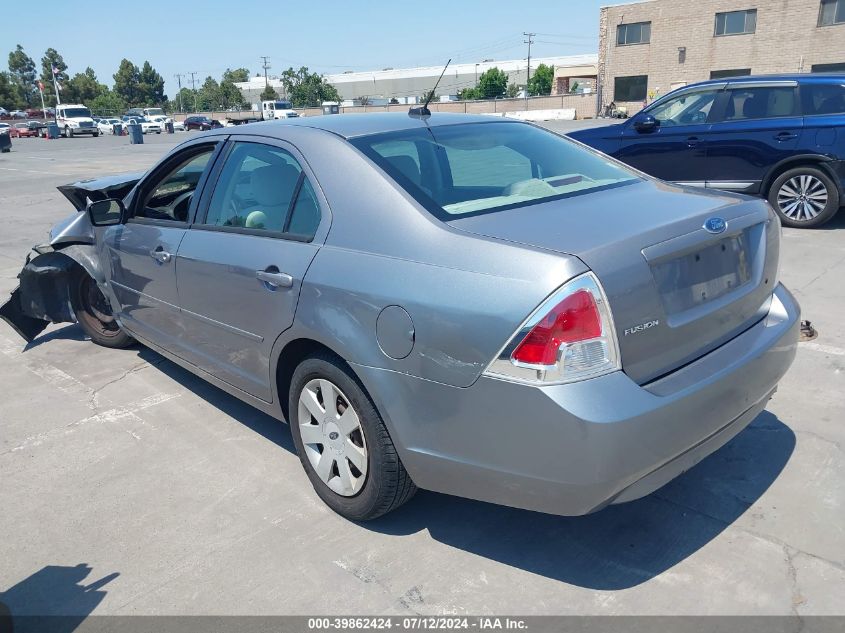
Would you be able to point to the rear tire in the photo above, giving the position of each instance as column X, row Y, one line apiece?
column 804, row 197
column 94, row 315
column 381, row 484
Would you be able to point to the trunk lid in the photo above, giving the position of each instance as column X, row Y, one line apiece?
column 676, row 290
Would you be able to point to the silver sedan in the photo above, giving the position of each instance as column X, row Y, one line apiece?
column 474, row 306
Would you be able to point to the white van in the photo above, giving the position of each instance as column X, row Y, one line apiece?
column 74, row 119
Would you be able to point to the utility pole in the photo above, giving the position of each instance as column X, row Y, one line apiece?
column 266, row 66
column 529, row 41
column 179, row 94
column 194, row 87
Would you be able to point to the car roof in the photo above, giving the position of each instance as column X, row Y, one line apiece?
column 352, row 125
column 800, row 77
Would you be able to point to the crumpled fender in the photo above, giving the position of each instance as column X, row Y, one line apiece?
column 47, row 285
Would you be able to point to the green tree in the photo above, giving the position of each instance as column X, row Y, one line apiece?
column 307, row 89
column 239, row 75
column 22, row 72
column 52, row 58
column 151, row 86
column 230, row 95
column 541, row 81
column 208, row 97
column 126, row 81
column 492, row 83
column 107, row 103
column 513, row 90
column 183, row 102
column 467, row 94
column 84, row 87
column 268, row 94
column 10, row 94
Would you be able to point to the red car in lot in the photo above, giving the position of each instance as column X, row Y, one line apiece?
column 20, row 130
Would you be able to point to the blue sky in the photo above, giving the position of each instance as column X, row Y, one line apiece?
column 326, row 36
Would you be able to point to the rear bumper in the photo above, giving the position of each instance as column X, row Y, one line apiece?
column 572, row 449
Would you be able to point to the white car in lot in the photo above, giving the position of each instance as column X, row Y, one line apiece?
column 178, row 126
column 147, row 127
column 5, row 127
column 106, row 126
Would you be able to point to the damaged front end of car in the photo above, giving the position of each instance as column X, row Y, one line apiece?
column 50, row 277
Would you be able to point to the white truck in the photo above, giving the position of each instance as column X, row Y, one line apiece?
column 278, row 109
column 74, row 119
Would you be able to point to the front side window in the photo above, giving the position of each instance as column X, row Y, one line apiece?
column 832, row 12
column 633, row 88
column 171, row 197
column 636, row 33
column 823, row 98
column 760, row 103
column 689, row 108
column 736, row 22
column 460, row 170
column 263, row 188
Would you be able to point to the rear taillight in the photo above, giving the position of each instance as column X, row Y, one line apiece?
column 569, row 337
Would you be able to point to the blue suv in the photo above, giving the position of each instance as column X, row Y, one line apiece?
column 782, row 137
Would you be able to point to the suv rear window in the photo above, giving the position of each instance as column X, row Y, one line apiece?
column 823, row 98
column 471, row 168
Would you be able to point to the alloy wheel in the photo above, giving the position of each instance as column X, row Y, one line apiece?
column 802, row 197
column 332, row 437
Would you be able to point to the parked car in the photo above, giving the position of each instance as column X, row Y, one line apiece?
column 106, row 126
column 560, row 333
column 21, row 130
column 201, row 123
column 4, row 128
column 18, row 114
column 178, row 126
column 147, row 127
column 773, row 136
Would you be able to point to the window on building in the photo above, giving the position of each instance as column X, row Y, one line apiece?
column 823, row 98
column 760, row 103
column 736, row 22
column 633, row 88
column 832, row 12
column 635, row 33
column 828, row 68
column 722, row 74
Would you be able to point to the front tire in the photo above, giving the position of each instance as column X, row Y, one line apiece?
column 804, row 197
column 94, row 315
column 68, row 132
column 342, row 442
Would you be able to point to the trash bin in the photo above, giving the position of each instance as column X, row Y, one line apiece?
column 117, row 129
column 136, row 135
column 52, row 129
column 169, row 127
column 5, row 142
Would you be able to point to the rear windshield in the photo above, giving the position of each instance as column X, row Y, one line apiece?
column 472, row 168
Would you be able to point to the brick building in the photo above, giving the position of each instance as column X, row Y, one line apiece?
column 649, row 48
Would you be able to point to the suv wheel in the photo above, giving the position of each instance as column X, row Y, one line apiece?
column 804, row 197
column 343, row 443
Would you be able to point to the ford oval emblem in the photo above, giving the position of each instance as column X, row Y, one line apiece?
column 715, row 225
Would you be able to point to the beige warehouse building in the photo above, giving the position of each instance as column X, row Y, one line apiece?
column 649, row 48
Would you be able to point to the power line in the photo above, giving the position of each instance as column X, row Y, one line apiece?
column 266, row 66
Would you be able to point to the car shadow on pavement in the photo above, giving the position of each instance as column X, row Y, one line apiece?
column 55, row 599
column 623, row 545
column 263, row 424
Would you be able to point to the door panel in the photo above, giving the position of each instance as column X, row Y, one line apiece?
column 676, row 148
column 231, row 316
column 241, row 265
column 759, row 127
column 141, row 254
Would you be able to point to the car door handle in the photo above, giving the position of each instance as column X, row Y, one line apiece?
column 274, row 279
column 785, row 136
column 160, row 255
column 693, row 141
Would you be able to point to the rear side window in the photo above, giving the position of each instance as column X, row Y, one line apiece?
column 263, row 188
column 760, row 103
column 828, row 98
